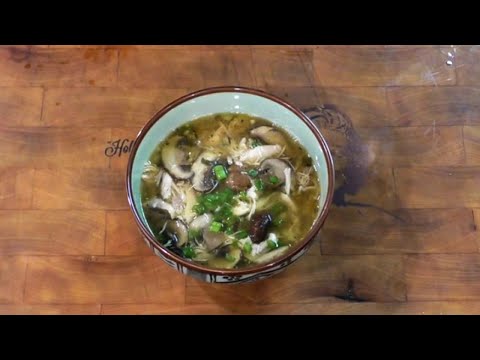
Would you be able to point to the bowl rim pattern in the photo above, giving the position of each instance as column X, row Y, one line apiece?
column 309, row 237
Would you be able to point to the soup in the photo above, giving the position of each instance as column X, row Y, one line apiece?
column 230, row 191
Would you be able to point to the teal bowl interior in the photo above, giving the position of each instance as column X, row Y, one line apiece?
column 234, row 102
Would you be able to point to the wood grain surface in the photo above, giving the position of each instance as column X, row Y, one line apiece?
column 403, row 124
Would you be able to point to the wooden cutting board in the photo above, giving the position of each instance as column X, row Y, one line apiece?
column 403, row 123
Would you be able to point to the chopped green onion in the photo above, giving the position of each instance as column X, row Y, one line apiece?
column 253, row 172
column 229, row 230
column 247, row 247
column 274, row 179
column 278, row 221
column 223, row 211
column 193, row 234
column 272, row 244
column 229, row 258
column 231, row 220
column 210, row 206
column 259, row 184
column 225, row 196
column 188, row 252
column 220, row 172
column 199, row 209
column 242, row 234
column 277, row 209
column 256, row 142
column 212, row 201
column 216, row 226
column 242, row 195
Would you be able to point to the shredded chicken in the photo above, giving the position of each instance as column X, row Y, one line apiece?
column 272, row 237
column 150, row 172
column 256, row 155
column 241, row 208
column 159, row 176
column 183, row 202
column 237, row 149
column 166, row 185
column 304, row 179
column 259, row 248
column 252, row 194
column 288, row 180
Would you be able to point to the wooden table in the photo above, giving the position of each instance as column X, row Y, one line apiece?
column 403, row 123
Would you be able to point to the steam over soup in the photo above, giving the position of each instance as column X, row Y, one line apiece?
column 230, row 191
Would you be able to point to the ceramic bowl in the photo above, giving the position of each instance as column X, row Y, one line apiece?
column 219, row 100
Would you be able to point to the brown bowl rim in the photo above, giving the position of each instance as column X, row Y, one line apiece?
column 317, row 225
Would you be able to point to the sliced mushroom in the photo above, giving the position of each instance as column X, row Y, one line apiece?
column 178, row 231
column 269, row 135
column 175, row 158
column 212, row 239
column 201, row 222
column 227, row 258
column 259, row 225
column 160, row 204
column 236, row 180
column 204, row 180
column 156, row 218
column 270, row 256
column 276, row 168
column 257, row 155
